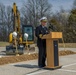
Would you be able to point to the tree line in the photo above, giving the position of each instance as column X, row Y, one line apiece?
column 32, row 11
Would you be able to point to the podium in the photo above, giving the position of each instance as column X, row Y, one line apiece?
column 52, row 49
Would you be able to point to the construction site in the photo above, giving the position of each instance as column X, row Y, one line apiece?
column 20, row 55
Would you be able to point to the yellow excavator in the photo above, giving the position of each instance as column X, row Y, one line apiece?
column 17, row 38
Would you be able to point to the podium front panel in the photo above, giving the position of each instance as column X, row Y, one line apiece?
column 55, row 44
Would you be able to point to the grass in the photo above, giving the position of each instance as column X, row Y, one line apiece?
column 67, row 45
column 3, row 44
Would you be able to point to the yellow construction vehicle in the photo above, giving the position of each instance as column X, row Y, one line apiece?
column 17, row 39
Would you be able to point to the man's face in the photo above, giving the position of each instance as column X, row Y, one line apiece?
column 43, row 23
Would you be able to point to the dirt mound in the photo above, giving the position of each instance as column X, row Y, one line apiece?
column 13, row 59
column 66, row 52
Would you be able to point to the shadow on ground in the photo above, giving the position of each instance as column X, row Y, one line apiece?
column 26, row 66
column 29, row 66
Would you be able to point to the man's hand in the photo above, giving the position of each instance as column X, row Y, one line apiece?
column 40, row 36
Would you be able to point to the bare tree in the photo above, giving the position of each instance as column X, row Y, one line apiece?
column 74, row 4
column 5, row 22
column 34, row 10
column 9, row 20
column 2, row 20
column 60, row 21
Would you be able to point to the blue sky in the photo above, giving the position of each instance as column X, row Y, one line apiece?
column 56, row 4
column 66, row 4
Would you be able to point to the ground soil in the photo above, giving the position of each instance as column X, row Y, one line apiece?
column 25, row 57
column 66, row 52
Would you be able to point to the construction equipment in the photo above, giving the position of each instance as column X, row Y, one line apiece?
column 18, row 42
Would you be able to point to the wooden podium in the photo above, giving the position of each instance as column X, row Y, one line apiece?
column 52, row 49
